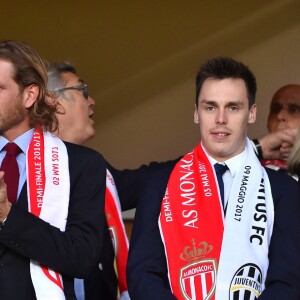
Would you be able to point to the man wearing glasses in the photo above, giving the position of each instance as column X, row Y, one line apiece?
column 76, row 107
column 77, row 126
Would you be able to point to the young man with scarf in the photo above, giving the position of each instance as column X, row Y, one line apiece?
column 76, row 125
column 52, row 204
column 201, row 235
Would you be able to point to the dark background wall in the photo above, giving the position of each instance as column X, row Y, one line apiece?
column 140, row 59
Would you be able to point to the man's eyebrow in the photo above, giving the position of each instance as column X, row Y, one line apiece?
column 205, row 101
column 294, row 103
column 213, row 102
column 237, row 102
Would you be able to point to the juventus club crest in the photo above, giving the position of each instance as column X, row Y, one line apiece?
column 246, row 283
column 198, row 277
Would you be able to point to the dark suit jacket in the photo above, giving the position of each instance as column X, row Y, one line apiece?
column 147, row 269
column 102, row 282
column 73, row 253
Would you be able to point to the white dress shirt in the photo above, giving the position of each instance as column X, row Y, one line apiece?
column 233, row 165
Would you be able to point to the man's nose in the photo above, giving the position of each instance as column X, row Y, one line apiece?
column 282, row 115
column 91, row 101
column 221, row 117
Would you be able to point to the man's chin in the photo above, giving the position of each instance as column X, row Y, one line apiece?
column 90, row 135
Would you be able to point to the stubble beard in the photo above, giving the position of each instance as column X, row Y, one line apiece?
column 13, row 117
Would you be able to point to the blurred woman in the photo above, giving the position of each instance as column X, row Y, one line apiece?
column 294, row 158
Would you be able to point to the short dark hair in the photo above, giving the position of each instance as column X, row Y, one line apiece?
column 226, row 67
column 54, row 72
column 29, row 69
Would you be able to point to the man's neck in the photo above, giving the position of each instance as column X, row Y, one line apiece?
column 15, row 132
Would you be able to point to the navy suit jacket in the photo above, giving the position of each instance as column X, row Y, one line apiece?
column 147, row 274
column 102, row 282
column 73, row 253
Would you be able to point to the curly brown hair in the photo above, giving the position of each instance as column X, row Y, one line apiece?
column 29, row 69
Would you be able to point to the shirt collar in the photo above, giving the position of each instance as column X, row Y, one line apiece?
column 22, row 141
column 232, row 163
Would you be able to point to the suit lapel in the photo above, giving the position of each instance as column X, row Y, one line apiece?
column 22, row 200
column 23, row 204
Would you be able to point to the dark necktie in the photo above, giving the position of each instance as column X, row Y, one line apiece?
column 10, row 167
column 220, row 170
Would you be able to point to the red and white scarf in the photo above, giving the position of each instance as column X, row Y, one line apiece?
column 275, row 164
column 206, row 258
column 117, row 232
column 48, row 187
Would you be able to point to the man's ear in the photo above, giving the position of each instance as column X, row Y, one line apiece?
column 30, row 95
column 252, row 114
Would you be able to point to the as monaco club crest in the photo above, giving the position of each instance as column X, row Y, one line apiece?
column 198, row 277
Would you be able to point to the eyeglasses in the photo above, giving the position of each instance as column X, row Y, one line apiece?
column 81, row 87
